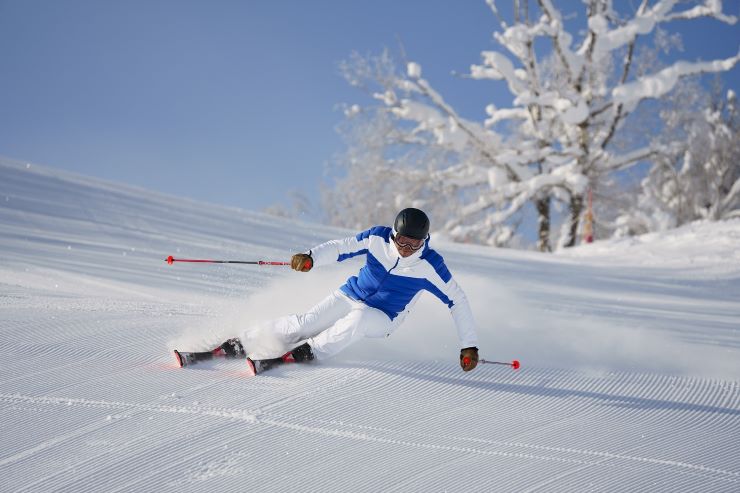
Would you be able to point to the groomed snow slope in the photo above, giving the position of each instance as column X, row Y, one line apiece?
column 630, row 354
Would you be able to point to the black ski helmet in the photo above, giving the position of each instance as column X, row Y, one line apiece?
column 412, row 223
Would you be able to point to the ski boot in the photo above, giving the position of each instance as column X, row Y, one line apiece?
column 300, row 354
column 184, row 359
column 229, row 349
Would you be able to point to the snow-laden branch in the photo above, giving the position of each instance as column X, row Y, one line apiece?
column 712, row 8
column 482, row 140
column 561, row 40
column 617, row 163
column 497, row 115
column 566, row 110
column 498, row 66
column 461, row 175
column 519, row 193
column 518, row 37
column 646, row 20
column 659, row 84
column 494, row 10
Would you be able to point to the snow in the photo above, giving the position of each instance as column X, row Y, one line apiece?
column 630, row 354
column 413, row 70
column 497, row 66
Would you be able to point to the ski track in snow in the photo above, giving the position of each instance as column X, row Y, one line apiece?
column 582, row 401
column 90, row 398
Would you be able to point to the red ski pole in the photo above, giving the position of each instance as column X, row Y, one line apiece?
column 170, row 260
column 514, row 364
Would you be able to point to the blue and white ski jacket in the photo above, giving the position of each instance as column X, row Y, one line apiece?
column 392, row 283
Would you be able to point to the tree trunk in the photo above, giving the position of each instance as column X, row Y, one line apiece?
column 576, row 208
column 543, row 220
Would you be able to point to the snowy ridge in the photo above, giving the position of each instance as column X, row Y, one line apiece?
column 631, row 376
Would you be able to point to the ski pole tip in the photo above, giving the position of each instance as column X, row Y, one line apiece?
column 515, row 364
column 170, row 259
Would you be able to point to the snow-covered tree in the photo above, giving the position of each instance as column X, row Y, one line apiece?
column 389, row 165
column 701, row 180
column 572, row 87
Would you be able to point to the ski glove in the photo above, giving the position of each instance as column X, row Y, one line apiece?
column 468, row 358
column 301, row 262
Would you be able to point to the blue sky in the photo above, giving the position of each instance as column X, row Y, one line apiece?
column 231, row 102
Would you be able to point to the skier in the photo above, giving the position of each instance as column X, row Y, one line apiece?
column 399, row 266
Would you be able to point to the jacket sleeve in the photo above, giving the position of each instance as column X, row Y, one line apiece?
column 462, row 315
column 449, row 292
column 339, row 250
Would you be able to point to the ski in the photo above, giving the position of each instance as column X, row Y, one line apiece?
column 233, row 349
column 252, row 366
column 184, row 358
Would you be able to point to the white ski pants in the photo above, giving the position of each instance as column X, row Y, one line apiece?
column 329, row 327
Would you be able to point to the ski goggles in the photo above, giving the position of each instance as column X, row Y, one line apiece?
column 406, row 242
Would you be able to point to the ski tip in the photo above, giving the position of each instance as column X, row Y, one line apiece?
column 252, row 368
column 180, row 362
